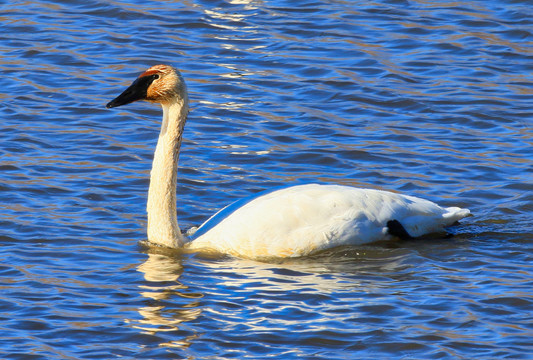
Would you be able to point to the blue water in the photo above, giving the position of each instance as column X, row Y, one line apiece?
column 432, row 99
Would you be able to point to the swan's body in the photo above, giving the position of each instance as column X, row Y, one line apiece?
column 289, row 222
column 304, row 219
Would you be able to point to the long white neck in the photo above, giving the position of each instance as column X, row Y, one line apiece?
column 163, row 226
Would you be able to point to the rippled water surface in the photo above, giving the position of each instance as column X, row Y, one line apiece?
column 432, row 99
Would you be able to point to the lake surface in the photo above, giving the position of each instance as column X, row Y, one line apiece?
column 432, row 99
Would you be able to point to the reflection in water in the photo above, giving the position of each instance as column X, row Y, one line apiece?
column 169, row 304
column 273, row 292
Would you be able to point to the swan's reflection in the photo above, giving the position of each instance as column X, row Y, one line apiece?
column 259, row 295
column 170, row 303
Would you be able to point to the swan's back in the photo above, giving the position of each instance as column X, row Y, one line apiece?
column 305, row 219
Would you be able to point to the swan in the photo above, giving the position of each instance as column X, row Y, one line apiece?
column 292, row 221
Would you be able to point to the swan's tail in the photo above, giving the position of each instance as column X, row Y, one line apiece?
column 454, row 214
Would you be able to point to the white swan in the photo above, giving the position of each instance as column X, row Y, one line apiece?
column 289, row 222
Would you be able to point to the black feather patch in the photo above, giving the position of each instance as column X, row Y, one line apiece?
column 396, row 229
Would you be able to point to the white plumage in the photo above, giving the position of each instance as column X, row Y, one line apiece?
column 289, row 222
column 304, row 219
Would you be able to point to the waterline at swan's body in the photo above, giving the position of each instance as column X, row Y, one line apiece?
column 289, row 222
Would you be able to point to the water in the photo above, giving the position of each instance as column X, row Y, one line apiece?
column 432, row 99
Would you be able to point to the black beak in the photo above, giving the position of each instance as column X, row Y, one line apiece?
column 136, row 91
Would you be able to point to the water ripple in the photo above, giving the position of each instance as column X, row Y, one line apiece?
column 431, row 99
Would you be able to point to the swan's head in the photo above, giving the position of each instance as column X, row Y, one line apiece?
column 160, row 83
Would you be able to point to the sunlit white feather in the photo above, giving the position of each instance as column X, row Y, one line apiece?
column 304, row 219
